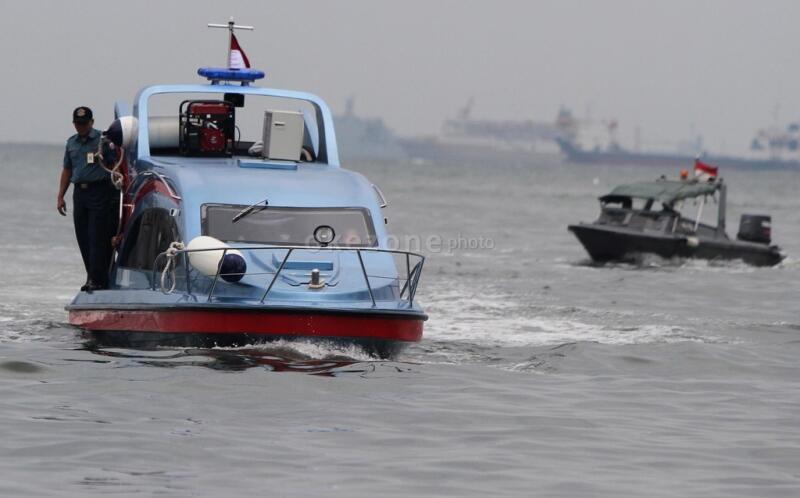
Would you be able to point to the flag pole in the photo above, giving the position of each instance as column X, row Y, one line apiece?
column 230, row 26
column 230, row 41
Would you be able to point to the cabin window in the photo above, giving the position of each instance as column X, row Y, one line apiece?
column 288, row 226
column 687, row 226
column 149, row 235
column 614, row 216
column 656, row 223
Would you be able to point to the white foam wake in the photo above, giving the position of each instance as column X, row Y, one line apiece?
column 523, row 331
column 502, row 321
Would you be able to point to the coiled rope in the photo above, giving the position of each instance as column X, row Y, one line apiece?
column 169, row 269
column 117, row 178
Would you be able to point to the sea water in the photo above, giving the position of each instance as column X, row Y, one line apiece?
column 539, row 374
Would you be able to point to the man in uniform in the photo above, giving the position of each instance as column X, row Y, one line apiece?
column 94, row 199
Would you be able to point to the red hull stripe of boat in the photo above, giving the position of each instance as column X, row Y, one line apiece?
column 266, row 324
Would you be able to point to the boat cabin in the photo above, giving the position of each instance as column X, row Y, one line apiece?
column 216, row 151
column 655, row 207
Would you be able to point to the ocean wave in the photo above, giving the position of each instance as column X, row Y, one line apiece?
column 501, row 320
column 306, row 350
column 527, row 331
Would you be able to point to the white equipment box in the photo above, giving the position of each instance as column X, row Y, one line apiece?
column 283, row 135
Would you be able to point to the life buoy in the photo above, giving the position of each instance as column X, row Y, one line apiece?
column 232, row 268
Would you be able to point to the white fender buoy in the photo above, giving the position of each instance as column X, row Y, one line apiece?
column 122, row 131
column 233, row 266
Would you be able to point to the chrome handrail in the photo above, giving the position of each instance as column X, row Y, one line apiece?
column 277, row 272
column 381, row 197
column 305, row 248
column 416, row 271
column 413, row 274
column 186, row 274
column 164, row 181
column 216, row 276
column 366, row 277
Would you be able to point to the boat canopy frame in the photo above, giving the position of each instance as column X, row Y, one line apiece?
column 665, row 191
column 668, row 192
column 328, row 149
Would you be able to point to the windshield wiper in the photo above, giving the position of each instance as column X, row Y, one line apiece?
column 250, row 210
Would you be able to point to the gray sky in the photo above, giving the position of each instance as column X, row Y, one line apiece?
column 720, row 65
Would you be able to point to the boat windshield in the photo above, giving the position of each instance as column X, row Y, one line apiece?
column 289, row 226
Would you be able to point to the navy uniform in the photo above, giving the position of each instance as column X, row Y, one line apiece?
column 95, row 199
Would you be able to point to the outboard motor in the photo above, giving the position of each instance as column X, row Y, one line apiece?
column 755, row 228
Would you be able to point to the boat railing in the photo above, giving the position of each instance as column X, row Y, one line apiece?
column 411, row 261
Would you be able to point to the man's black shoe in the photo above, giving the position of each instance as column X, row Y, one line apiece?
column 86, row 286
column 93, row 287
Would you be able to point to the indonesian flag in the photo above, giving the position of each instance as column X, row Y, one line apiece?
column 703, row 171
column 237, row 58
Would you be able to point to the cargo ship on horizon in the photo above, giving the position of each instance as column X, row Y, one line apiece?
column 773, row 148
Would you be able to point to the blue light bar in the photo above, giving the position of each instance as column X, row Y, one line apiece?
column 222, row 74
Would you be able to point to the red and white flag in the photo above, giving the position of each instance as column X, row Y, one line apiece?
column 237, row 59
column 703, row 171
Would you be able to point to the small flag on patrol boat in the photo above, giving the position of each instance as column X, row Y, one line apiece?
column 703, row 171
column 237, row 59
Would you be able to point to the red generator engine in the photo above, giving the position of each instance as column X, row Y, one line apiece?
column 207, row 128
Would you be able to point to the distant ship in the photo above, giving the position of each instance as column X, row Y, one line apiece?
column 464, row 139
column 772, row 148
column 366, row 139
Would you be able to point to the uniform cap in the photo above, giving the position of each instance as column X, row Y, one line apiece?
column 82, row 115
